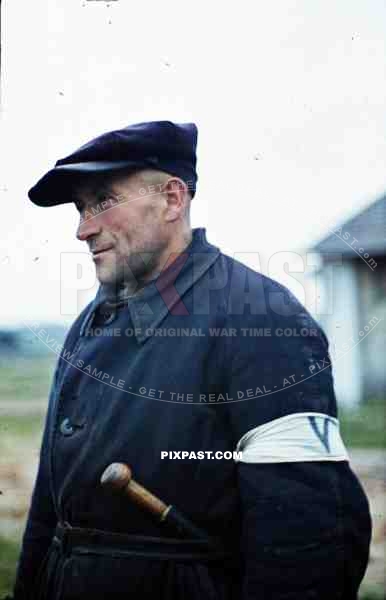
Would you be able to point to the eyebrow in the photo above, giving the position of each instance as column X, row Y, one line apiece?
column 95, row 190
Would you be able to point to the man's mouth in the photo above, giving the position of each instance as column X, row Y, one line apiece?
column 100, row 251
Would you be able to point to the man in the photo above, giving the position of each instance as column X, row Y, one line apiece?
column 164, row 372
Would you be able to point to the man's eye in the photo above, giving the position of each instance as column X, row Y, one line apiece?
column 103, row 198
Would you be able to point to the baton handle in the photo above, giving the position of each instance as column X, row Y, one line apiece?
column 118, row 478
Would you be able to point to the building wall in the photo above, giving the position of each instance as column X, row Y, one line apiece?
column 372, row 304
column 340, row 318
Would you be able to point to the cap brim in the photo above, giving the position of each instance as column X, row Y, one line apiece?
column 55, row 187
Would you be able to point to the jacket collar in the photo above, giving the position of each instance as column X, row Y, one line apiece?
column 150, row 305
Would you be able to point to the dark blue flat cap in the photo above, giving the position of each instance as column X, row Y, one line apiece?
column 160, row 145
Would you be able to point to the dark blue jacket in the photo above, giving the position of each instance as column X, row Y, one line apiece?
column 193, row 362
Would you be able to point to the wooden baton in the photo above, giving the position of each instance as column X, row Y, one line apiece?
column 118, row 478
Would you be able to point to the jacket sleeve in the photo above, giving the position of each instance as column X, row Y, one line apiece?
column 306, row 531
column 293, row 513
column 41, row 522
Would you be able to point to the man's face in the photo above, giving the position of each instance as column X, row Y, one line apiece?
column 124, row 228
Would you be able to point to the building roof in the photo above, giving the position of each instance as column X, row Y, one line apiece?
column 368, row 228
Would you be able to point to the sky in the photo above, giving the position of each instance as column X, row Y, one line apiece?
column 288, row 98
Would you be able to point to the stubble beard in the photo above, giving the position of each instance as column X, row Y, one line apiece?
column 129, row 274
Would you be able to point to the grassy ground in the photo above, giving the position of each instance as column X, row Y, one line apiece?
column 365, row 427
column 25, row 379
column 21, row 427
column 373, row 595
column 20, row 439
column 9, row 552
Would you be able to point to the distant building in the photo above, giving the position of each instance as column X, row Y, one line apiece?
column 9, row 343
column 353, row 277
column 23, row 342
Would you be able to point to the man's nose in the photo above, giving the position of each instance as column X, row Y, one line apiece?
column 87, row 227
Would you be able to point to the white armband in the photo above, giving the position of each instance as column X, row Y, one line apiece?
column 298, row 437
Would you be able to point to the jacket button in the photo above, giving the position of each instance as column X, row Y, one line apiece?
column 66, row 428
column 108, row 318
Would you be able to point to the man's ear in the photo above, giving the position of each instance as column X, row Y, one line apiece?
column 175, row 191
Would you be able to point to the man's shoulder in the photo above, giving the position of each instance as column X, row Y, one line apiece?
column 260, row 300
column 242, row 279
